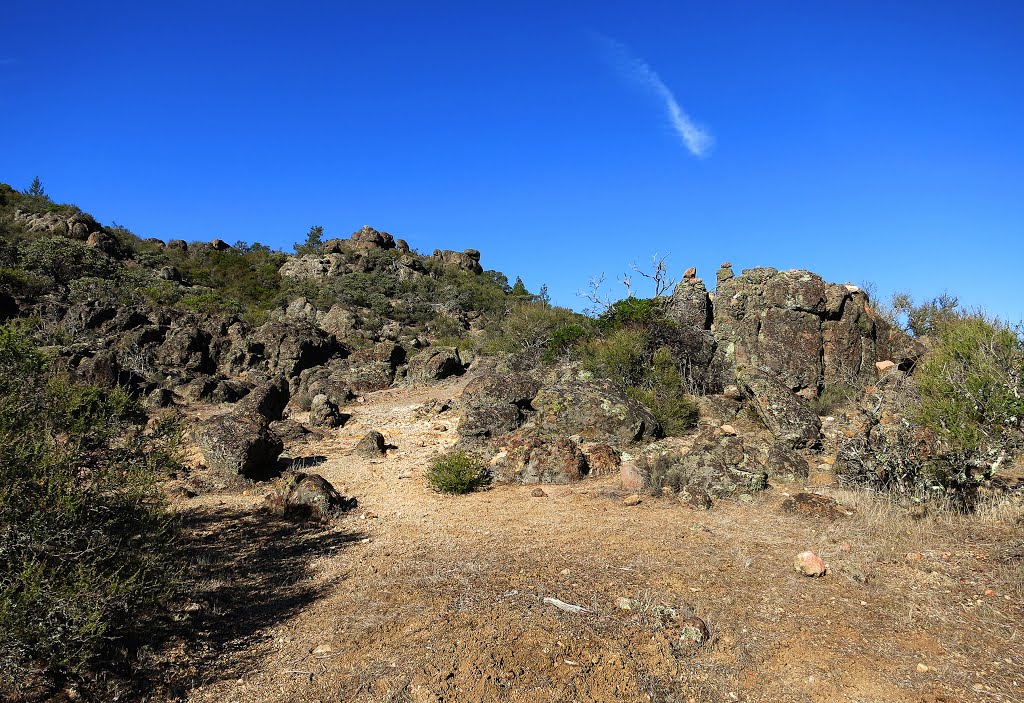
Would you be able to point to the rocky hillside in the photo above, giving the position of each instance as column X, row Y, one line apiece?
column 179, row 323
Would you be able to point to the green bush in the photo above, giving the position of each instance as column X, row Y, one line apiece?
column 454, row 472
column 663, row 391
column 971, row 385
column 532, row 325
column 64, row 260
column 84, row 536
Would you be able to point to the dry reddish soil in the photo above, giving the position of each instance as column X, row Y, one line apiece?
column 416, row 596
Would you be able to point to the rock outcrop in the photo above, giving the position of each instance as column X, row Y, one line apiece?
column 468, row 260
column 75, row 225
column 573, row 402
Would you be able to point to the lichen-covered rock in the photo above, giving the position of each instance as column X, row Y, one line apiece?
column 782, row 412
column 529, row 459
column 369, row 238
column 784, row 462
column 293, row 346
column 267, row 400
column 690, row 304
column 435, row 364
column 808, row 333
column 603, row 459
column 186, row 348
column 573, row 402
column 717, row 465
column 307, row 497
column 76, row 225
column 814, row 506
column 493, row 404
column 236, row 446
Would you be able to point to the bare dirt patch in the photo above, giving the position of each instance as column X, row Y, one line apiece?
column 416, row 596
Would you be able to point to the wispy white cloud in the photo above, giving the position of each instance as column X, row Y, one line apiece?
column 697, row 140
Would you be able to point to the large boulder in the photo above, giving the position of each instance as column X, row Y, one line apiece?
column 690, row 304
column 531, row 459
column 307, row 497
column 717, row 465
column 316, row 267
column 186, row 348
column 290, row 347
column 493, row 404
column 323, row 412
column 573, row 402
column 435, row 364
column 76, row 225
column 240, row 444
column 369, row 238
column 783, row 413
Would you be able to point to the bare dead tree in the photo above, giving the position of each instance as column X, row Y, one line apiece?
column 595, row 295
column 662, row 283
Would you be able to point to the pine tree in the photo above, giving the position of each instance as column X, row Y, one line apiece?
column 36, row 190
column 312, row 244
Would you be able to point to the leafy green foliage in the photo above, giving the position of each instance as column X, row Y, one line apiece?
column 971, row 384
column 663, row 391
column 84, row 537
column 454, row 472
column 533, row 325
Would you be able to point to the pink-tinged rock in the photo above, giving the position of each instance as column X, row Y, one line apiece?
column 809, row 564
column 728, row 429
column 690, row 273
column 631, row 479
column 883, row 366
column 631, row 500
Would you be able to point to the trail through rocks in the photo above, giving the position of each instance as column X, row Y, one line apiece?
column 416, row 596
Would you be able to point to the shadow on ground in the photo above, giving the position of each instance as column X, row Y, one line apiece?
column 244, row 572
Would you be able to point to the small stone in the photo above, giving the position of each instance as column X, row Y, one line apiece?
column 693, row 631
column 922, row 668
column 728, row 429
column 690, row 273
column 733, row 392
column 882, row 366
column 913, row 556
column 631, row 500
column 809, row 564
column 630, row 477
column 625, row 603
column 323, row 649
column 538, row 493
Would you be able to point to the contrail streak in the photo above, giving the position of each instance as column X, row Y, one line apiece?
column 696, row 139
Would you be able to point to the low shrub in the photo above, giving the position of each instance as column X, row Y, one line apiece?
column 85, row 539
column 831, row 398
column 454, row 472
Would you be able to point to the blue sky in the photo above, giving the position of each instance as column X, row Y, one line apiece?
column 866, row 141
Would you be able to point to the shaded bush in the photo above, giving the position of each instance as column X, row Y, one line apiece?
column 455, row 472
column 84, row 536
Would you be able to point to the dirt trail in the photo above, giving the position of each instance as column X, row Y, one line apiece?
column 416, row 596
